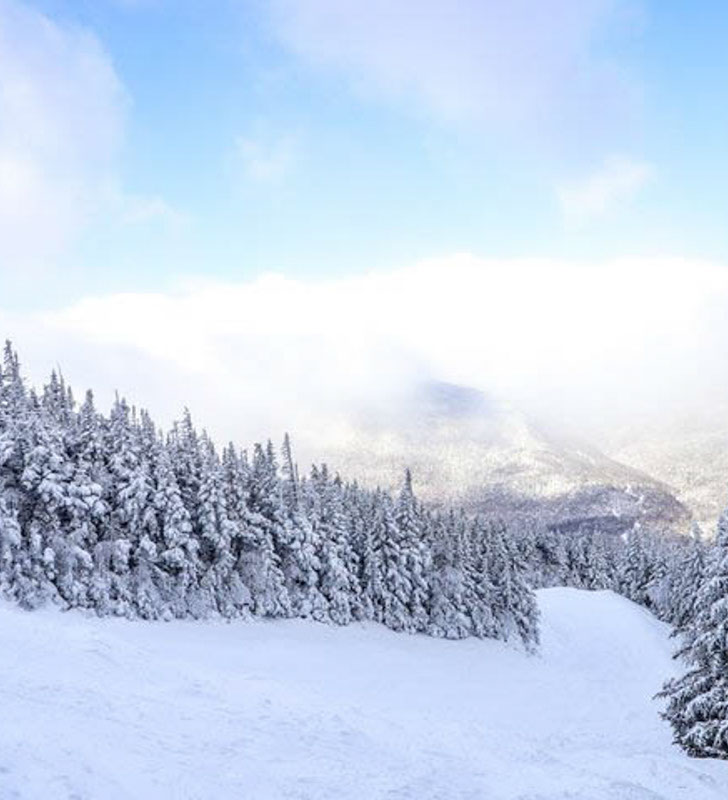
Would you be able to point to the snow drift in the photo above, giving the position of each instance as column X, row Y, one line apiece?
column 106, row 708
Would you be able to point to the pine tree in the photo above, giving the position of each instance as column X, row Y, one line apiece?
column 13, row 401
column 481, row 597
column 697, row 707
column 392, row 607
column 132, row 518
column 10, row 542
column 10, row 533
column 177, row 548
column 86, row 510
column 634, row 569
column 300, row 562
column 45, row 481
column 215, row 533
column 688, row 574
column 370, row 560
column 261, row 518
column 594, row 561
column 449, row 589
column 337, row 584
column 515, row 608
column 186, row 459
column 15, row 506
column 234, row 489
column 551, row 557
column 291, row 482
column 414, row 552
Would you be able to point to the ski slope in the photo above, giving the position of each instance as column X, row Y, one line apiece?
column 113, row 709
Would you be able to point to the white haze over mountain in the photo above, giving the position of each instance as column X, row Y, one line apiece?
column 586, row 346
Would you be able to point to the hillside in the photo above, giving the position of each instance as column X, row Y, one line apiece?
column 116, row 709
column 689, row 454
column 469, row 447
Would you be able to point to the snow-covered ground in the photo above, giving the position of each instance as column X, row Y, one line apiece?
column 111, row 709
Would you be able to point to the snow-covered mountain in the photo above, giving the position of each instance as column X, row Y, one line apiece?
column 108, row 708
column 465, row 445
column 689, row 454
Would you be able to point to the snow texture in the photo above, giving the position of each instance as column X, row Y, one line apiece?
column 112, row 708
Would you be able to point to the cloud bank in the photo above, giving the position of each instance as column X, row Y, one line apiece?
column 579, row 342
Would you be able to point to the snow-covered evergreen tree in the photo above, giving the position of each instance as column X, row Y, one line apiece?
column 300, row 562
column 481, row 598
column 449, row 590
column 514, row 607
column 635, row 571
column 687, row 575
column 10, row 497
column 45, row 484
column 697, row 705
column 260, row 518
column 392, row 607
column 414, row 552
column 214, row 533
column 177, row 549
column 338, row 585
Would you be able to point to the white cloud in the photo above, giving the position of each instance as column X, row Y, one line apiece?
column 524, row 62
column 141, row 210
column 62, row 121
column 267, row 160
column 615, row 182
column 254, row 358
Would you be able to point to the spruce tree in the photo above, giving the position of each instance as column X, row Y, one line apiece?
column 177, row 548
column 414, row 553
column 392, row 606
column 45, row 482
column 480, row 585
column 216, row 531
column 697, row 707
column 515, row 609
column 300, row 561
column 337, row 583
column 261, row 518
column 688, row 574
column 449, row 588
column 635, row 570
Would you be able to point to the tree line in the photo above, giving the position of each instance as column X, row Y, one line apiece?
column 111, row 514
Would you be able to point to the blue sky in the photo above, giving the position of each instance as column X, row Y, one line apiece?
column 180, row 152
column 274, row 150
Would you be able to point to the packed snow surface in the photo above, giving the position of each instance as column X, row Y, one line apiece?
column 100, row 708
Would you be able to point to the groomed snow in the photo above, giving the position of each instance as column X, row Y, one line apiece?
column 108, row 709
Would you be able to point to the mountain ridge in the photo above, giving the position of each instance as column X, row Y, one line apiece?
column 466, row 446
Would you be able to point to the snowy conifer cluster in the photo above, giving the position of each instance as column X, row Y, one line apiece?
column 697, row 705
column 654, row 569
column 108, row 514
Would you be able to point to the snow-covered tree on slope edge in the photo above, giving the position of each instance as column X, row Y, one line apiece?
column 697, row 706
